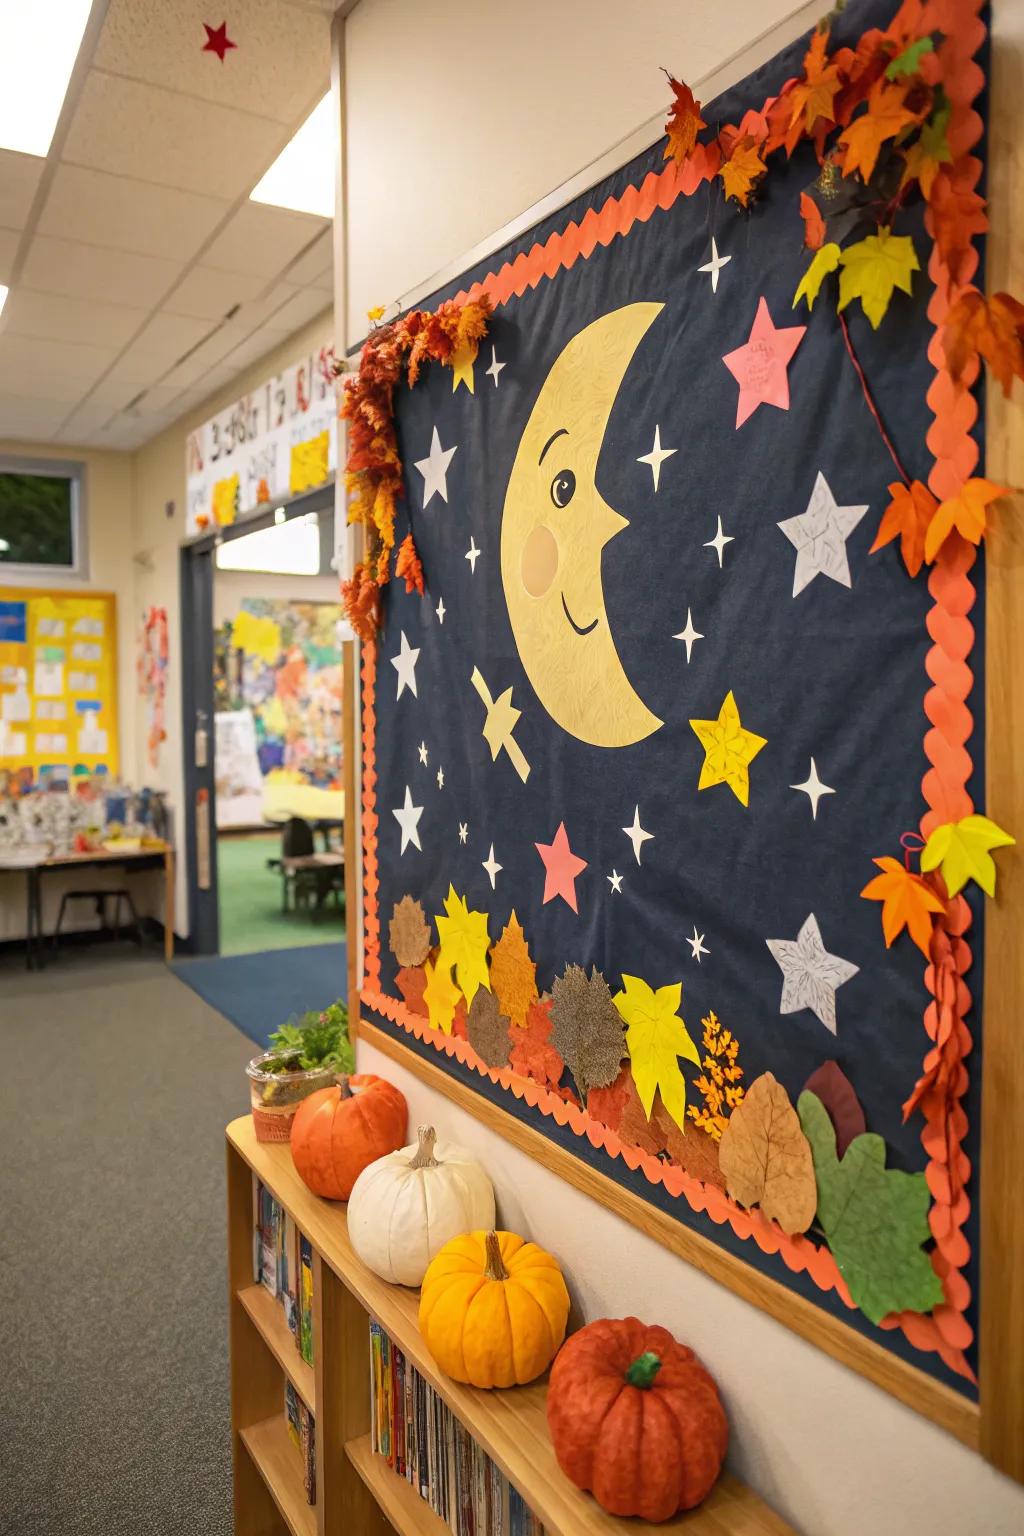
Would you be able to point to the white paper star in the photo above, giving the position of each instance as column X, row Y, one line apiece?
column 819, row 537
column 715, row 265
column 495, row 368
column 615, row 881
column 492, row 866
column 813, row 788
column 719, row 542
column 434, row 469
column 656, row 457
column 408, row 818
column 463, row 831
column 440, row 610
column 697, row 945
column 637, row 835
column 440, row 778
column 688, row 636
column 472, row 554
column 423, row 753
column 405, row 665
column 810, row 975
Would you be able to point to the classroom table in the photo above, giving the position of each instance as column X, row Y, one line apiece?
column 151, row 856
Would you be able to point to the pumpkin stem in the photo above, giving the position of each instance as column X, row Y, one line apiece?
column 341, row 1079
column 644, row 1369
column 424, row 1157
column 495, row 1269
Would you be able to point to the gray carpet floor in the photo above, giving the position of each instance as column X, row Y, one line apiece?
column 116, row 1082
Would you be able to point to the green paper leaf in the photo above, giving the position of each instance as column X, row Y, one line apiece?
column 875, row 1219
column 909, row 61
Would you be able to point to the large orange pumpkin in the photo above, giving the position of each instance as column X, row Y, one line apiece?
column 339, row 1131
column 636, row 1419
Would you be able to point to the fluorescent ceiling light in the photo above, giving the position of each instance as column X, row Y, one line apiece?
column 39, row 44
column 3, row 297
column 302, row 176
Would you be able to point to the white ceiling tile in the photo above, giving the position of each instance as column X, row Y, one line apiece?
column 262, row 240
column 164, row 341
column 132, row 129
column 19, row 177
column 255, row 347
column 208, row 293
column 89, row 423
column 127, row 215
column 52, row 383
column 77, row 360
column 299, row 310
column 315, row 267
column 9, row 241
column 280, row 59
column 52, row 316
column 110, row 396
column 95, row 272
column 36, row 420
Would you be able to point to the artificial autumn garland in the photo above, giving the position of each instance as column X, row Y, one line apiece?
column 373, row 470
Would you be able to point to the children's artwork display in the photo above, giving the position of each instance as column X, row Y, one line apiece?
column 154, row 653
column 58, row 684
column 277, row 667
column 672, row 769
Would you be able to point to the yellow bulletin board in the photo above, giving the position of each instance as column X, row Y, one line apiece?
column 58, row 682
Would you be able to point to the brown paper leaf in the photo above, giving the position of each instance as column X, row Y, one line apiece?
column 411, row 981
column 587, row 1028
column 634, row 1127
column 533, row 1055
column 487, row 1029
column 693, row 1149
column 409, row 932
column 513, row 973
column 766, row 1158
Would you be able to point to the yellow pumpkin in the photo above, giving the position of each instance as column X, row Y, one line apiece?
column 493, row 1309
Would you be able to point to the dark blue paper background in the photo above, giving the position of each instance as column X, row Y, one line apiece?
column 835, row 674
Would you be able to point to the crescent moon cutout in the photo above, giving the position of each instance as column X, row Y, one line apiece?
column 554, row 527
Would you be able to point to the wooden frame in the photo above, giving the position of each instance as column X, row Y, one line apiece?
column 995, row 1425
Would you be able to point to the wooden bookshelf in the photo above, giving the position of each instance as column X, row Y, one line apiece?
column 357, row 1492
column 279, row 1463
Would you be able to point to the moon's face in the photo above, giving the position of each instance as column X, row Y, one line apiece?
column 554, row 527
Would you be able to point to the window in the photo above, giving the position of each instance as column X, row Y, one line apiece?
column 287, row 549
column 41, row 528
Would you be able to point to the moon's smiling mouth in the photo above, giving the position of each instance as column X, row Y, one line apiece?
column 580, row 630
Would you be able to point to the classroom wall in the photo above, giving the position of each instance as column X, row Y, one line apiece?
column 229, row 588
column 501, row 107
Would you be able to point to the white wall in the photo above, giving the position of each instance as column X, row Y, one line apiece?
column 501, row 105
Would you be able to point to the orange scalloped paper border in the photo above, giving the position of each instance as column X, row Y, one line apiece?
column 945, row 1331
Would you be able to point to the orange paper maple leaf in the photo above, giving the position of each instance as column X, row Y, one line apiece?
column 907, row 517
column 964, row 514
column 684, row 123
column 408, row 565
column 885, row 116
column 814, row 224
column 989, row 328
column 907, row 902
column 813, row 96
column 743, row 169
column 958, row 214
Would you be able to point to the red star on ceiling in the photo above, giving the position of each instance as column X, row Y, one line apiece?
column 561, row 867
column 217, row 40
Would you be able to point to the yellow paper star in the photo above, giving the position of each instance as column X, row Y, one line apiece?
column 728, row 750
column 464, row 942
column 440, row 995
column 463, row 359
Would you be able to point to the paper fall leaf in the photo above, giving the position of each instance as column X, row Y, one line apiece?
column 873, row 268
column 958, row 214
column 586, row 1028
column 513, row 973
column 410, row 981
column 907, row 902
column 408, row 567
column 961, row 850
column 719, row 1080
column 695, row 1153
column 813, row 97
column 907, row 517
column 533, row 1055
column 464, row 941
column 875, row 1219
column 825, row 260
column 487, row 1030
column 765, row 1157
column 831, row 1085
column 656, row 1037
column 743, row 169
column 989, row 328
column 909, row 61
column 965, row 514
column 814, row 224
column 929, row 151
column 684, row 123
column 440, row 995
column 884, row 117
column 409, row 932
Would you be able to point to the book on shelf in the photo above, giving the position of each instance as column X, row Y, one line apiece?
column 305, row 1335
column 302, row 1434
column 282, row 1262
column 424, row 1442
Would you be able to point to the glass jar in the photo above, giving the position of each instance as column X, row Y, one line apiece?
column 275, row 1096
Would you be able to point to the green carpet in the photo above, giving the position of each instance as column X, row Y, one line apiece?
column 251, row 919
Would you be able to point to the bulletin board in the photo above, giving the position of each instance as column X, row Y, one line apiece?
column 58, row 682
column 671, row 711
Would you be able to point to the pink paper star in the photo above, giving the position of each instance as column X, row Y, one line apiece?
column 561, row 866
column 217, row 40
column 760, row 366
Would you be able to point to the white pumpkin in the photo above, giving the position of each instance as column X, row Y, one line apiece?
column 404, row 1207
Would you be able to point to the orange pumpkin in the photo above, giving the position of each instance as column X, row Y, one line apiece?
column 636, row 1419
column 339, row 1131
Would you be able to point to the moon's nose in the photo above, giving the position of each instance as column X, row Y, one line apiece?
column 539, row 565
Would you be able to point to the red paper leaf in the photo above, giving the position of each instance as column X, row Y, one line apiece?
column 532, row 1054
column 814, row 224
column 684, row 123
column 832, row 1086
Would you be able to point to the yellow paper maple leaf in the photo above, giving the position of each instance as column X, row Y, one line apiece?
column 962, row 850
column 656, row 1037
column 440, row 995
column 825, row 260
column 873, row 268
column 464, row 941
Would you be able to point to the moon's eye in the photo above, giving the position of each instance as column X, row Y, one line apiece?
column 563, row 487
